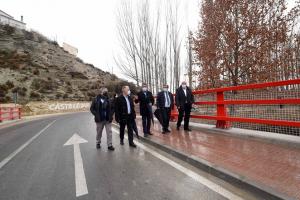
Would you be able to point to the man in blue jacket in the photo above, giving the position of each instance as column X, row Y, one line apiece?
column 103, row 110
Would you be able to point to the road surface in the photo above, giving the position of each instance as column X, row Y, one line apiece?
column 35, row 164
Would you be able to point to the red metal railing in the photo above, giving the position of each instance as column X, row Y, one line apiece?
column 222, row 118
column 9, row 113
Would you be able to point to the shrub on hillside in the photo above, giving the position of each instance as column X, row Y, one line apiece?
column 5, row 99
column 66, row 96
column 9, row 84
column 28, row 35
column 36, row 72
column 3, row 90
column 9, row 29
column 21, row 91
column 54, row 43
column 43, row 86
column 78, row 75
column 58, row 96
column 35, row 95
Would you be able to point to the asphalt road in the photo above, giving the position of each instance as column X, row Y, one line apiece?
column 35, row 165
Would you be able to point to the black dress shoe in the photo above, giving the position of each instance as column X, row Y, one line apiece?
column 138, row 137
column 178, row 127
column 98, row 146
column 168, row 131
column 111, row 148
column 132, row 145
column 150, row 133
column 164, row 132
column 121, row 142
column 188, row 129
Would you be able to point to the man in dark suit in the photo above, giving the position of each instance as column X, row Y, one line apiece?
column 184, row 100
column 165, row 103
column 146, row 100
column 125, row 115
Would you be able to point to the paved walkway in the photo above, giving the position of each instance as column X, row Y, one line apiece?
column 271, row 165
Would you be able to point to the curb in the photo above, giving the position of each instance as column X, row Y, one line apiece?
column 218, row 171
column 290, row 141
column 272, row 138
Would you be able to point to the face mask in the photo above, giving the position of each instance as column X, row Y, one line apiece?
column 183, row 86
column 165, row 89
column 129, row 92
column 144, row 89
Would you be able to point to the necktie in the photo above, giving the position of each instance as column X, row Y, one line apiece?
column 168, row 98
column 128, row 105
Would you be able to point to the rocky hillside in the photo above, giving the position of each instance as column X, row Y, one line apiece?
column 39, row 69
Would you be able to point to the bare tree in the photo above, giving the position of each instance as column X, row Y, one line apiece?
column 125, row 26
column 189, row 48
column 151, row 46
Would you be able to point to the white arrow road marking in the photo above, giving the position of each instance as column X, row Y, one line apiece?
column 80, row 181
column 21, row 148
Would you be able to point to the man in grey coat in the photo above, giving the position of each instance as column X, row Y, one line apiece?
column 103, row 111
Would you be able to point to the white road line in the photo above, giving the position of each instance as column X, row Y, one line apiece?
column 202, row 180
column 80, row 180
column 12, row 155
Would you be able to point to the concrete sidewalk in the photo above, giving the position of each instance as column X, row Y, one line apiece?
column 263, row 165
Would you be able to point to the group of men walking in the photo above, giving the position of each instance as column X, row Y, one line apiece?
column 122, row 106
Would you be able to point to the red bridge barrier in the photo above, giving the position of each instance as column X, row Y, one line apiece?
column 221, row 112
column 9, row 113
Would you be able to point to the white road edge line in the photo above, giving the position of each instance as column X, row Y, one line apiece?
column 21, row 148
column 200, row 179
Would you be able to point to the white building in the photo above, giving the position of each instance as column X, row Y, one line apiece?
column 7, row 19
column 72, row 50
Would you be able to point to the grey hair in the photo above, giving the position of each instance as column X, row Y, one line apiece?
column 125, row 86
column 103, row 89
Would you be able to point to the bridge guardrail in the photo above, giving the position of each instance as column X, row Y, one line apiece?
column 9, row 113
column 262, row 99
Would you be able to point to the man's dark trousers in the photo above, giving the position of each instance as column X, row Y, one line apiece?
column 186, row 111
column 127, row 122
column 146, row 123
column 165, row 117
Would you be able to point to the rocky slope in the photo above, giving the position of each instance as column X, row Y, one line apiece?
column 39, row 69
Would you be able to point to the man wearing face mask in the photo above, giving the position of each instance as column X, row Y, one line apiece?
column 165, row 103
column 146, row 100
column 102, row 110
column 134, row 126
column 125, row 115
column 184, row 100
